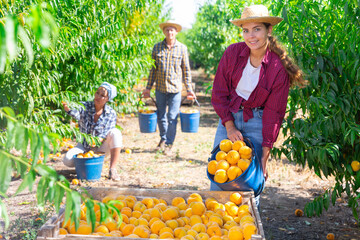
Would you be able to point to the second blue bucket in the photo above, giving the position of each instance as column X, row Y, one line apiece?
column 89, row 168
column 147, row 122
column 190, row 122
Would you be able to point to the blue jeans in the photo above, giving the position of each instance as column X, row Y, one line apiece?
column 251, row 129
column 167, row 122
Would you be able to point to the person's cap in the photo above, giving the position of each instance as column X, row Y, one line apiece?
column 111, row 89
column 170, row 23
column 256, row 13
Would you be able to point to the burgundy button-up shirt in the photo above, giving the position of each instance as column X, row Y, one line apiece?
column 271, row 93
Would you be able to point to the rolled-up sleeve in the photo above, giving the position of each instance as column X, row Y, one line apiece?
column 76, row 113
column 220, row 98
column 275, row 108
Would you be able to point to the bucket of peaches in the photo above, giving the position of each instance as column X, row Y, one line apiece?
column 234, row 166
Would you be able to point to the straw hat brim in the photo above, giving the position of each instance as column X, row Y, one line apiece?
column 272, row 20
column 176, row 26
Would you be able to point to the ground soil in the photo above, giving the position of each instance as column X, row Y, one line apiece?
column 289, row 186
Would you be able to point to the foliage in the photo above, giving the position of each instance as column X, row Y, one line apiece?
column 93, row 41
column 67, row 58
column 51, row 188
column 323, row 124
column 22, row 228
column 213, row 32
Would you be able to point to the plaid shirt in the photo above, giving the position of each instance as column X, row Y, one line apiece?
column 271, row 93
column 171, row 66
column 101, row 128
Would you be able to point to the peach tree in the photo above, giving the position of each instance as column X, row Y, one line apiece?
column 62, row 50
column 322, row 127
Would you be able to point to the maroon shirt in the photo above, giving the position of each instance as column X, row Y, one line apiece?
column 271, row 93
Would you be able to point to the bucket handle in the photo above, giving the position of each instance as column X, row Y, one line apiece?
column 152, row 100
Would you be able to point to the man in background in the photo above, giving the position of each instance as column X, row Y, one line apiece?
column 171, row 69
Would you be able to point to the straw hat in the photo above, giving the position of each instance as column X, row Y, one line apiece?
column 170, row 23
column 256, row 13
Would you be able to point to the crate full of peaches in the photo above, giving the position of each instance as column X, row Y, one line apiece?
column 186, row 218
column 231, row 161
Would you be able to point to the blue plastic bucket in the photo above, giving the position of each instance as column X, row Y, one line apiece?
column 89, row 168
column 252, row 179
column 147, row 122
column 190, row 122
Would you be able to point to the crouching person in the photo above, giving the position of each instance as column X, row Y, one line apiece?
column 99, row 120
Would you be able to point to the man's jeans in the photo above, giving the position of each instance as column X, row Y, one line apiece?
column 167, row 121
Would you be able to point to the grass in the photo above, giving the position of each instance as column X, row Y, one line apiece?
column 26, row 229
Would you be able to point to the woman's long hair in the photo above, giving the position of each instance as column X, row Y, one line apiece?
column 295, row 74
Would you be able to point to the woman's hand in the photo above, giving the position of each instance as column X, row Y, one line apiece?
column 264, row 158
column 264, row 169
column 65, row 105
column 232, row 132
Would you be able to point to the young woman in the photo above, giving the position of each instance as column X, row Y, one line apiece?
column 251, row 85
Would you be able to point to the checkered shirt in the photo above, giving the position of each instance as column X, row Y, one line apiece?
column 171, row 66
column 85, row 116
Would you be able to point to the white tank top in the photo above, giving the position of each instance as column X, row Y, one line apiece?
column 249, row 80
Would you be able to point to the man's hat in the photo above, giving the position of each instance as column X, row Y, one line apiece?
column 256, row 13
column 170, row 23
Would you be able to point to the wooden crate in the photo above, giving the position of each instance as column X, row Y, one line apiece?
column 50, row 230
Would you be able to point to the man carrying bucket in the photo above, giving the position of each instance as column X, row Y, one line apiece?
column 171, row 68
column 99, row 120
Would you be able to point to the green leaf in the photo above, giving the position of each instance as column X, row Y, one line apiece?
column 290, row 34
column 27, row 45
column 68, row 207
column 90, row 214
column 320, row 62
column 35, row 146
column 28, row 181
column 11, row 37
column 46, row 171
column 76, row 199
column 3, row 214
column 5, row 172
column 40, row 194
column 59, row 195
column 3, row 53
column 10, row 134
column 103, row 211
column 46, row 146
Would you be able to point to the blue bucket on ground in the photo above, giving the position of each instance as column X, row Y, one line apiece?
column 252, row 179
column 89, row 168
column 147, row 122
column 190, row 122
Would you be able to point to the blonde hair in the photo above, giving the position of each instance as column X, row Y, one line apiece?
column 295, row 74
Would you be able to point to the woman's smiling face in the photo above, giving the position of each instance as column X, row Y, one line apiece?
column 256, row 35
